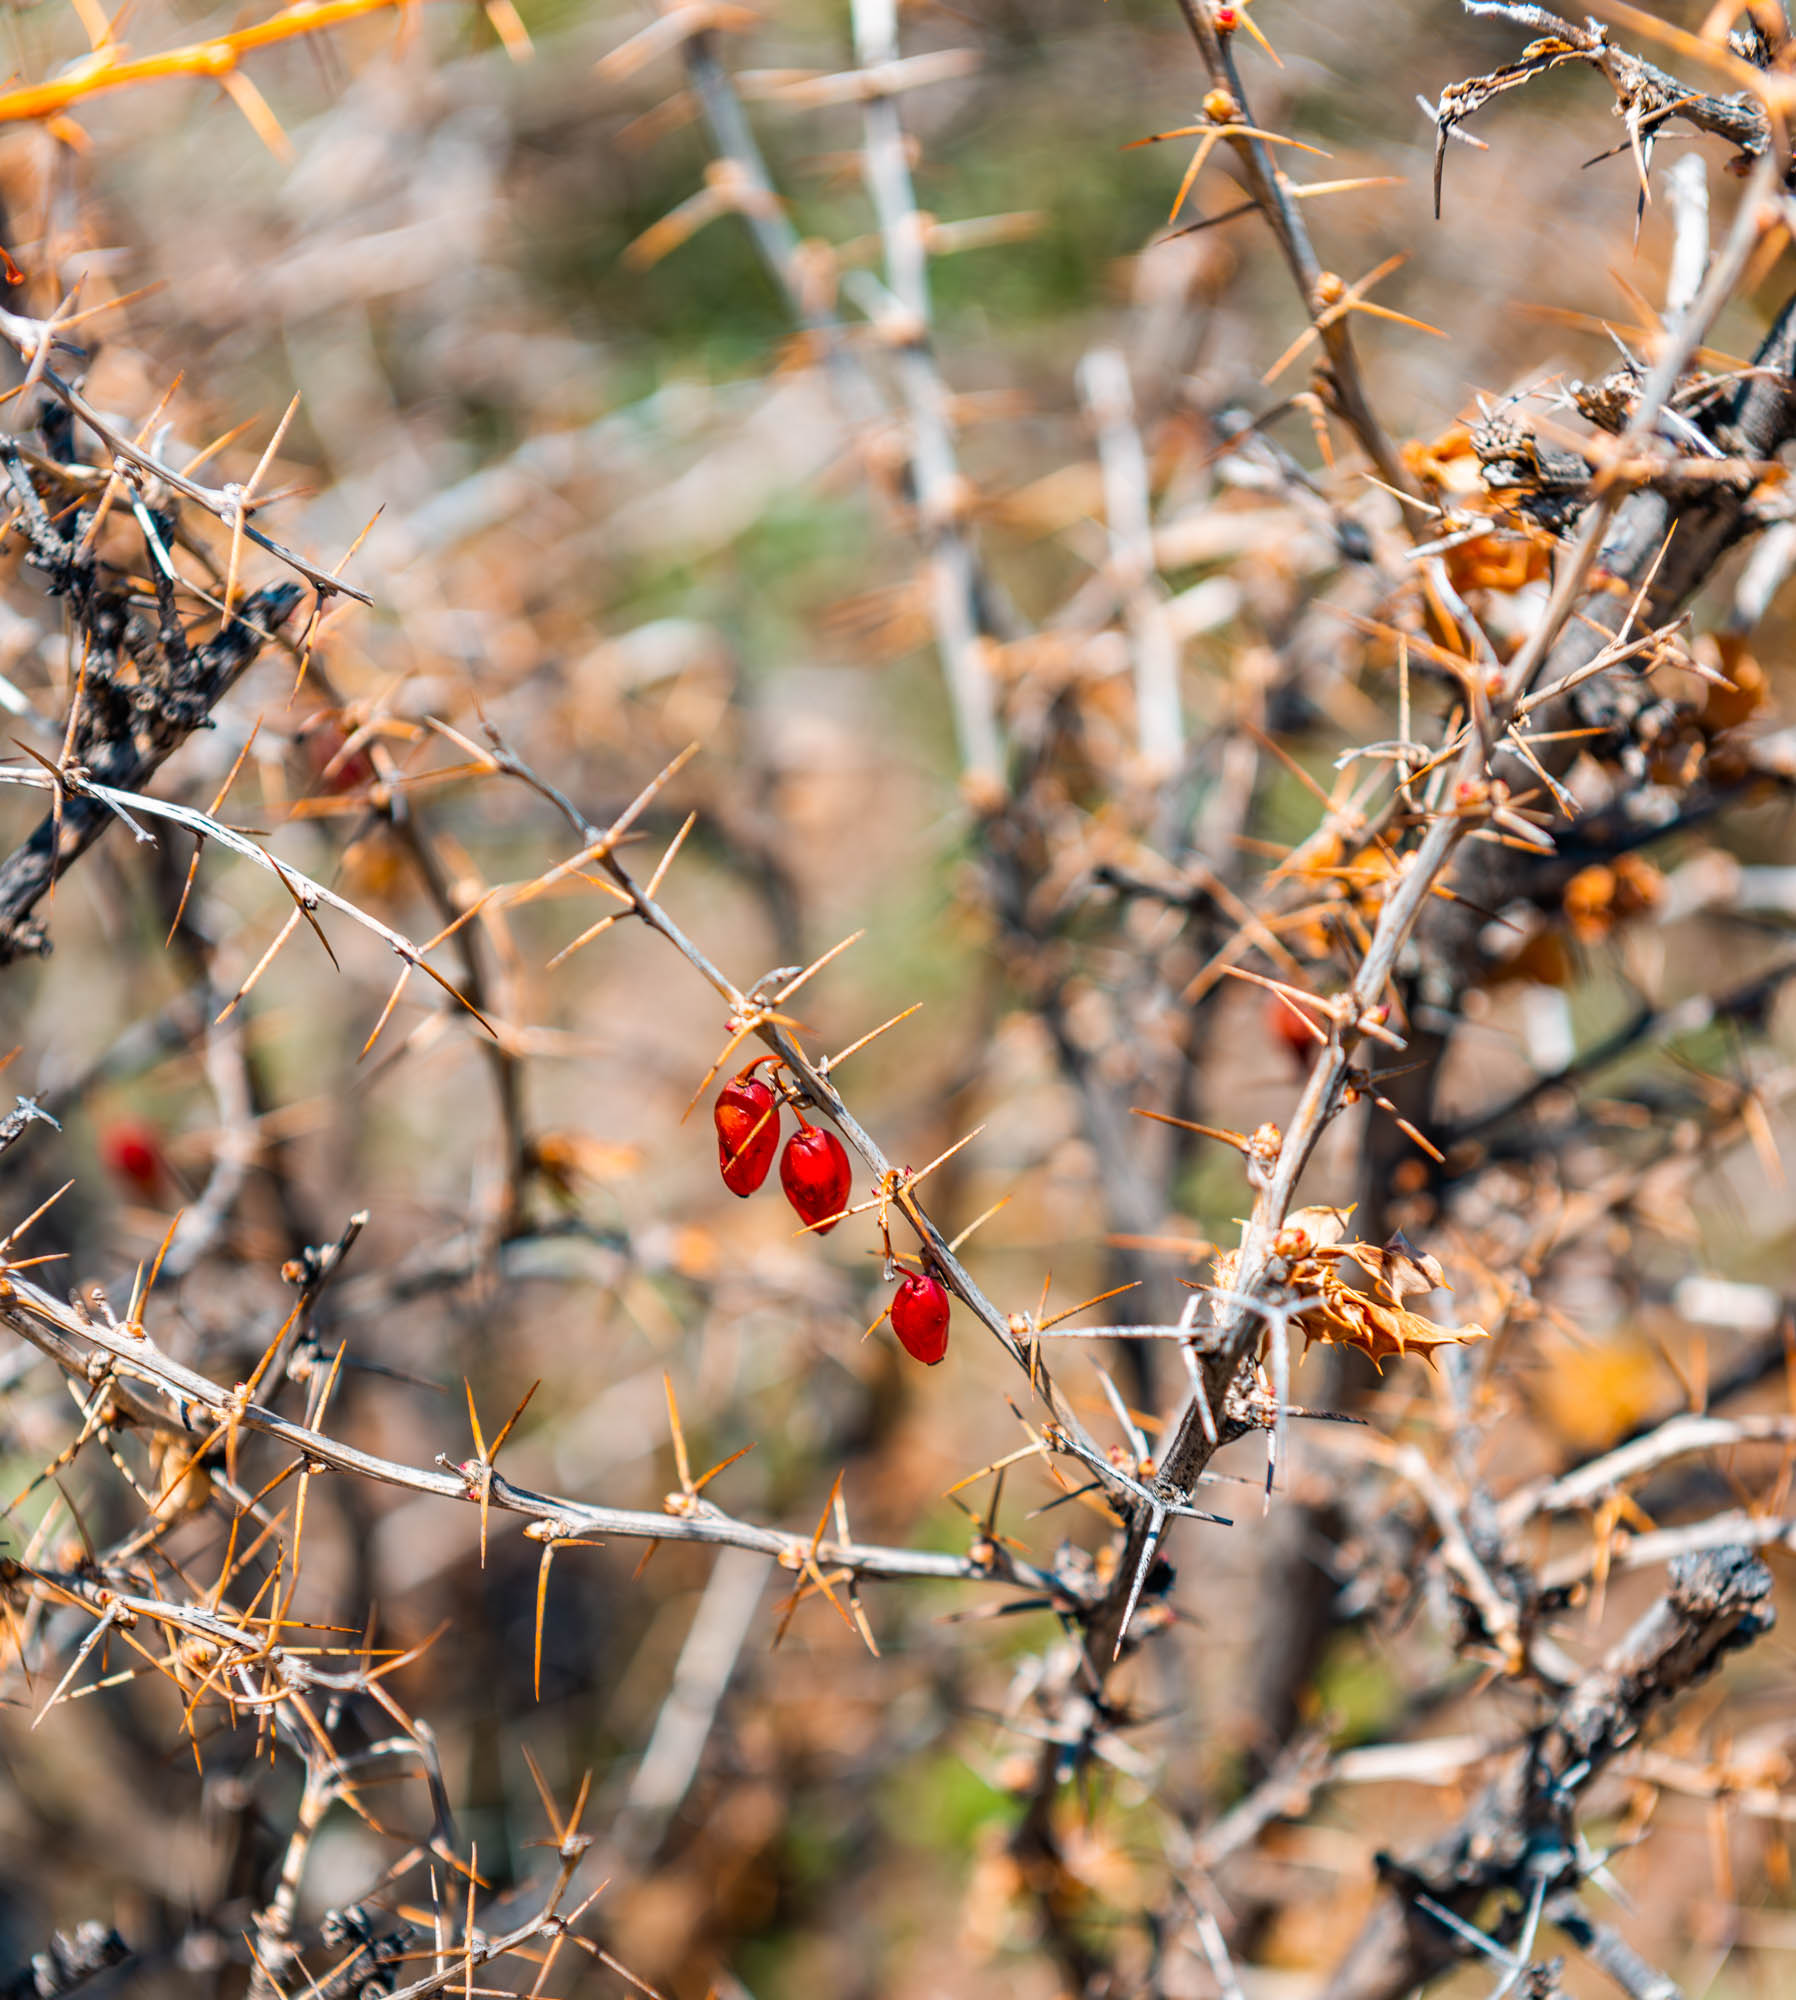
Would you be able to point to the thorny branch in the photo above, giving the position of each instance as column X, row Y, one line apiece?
column 1520, row 1829
column 184, row 1401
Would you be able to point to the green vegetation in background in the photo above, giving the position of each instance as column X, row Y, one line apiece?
column 1357, row 1692
column 937, row 1804
column 1213, row 1195
column 1021, row 144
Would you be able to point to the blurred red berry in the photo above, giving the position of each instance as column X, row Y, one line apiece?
column 920, row 1318
column 132, row 1151
column 815, row 1173
column 324, row 746
column 748, row 1133
column 1287, row 1029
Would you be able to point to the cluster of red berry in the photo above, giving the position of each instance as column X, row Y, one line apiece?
column 817, row 1178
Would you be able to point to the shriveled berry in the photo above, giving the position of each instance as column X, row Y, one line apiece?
column 815, row 1173
column 920, row 1318
column 748, row 1133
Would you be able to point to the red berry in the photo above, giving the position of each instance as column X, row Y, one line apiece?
column 324, row 747
column 1285, row 1024
column 132, row 1151
column 748, row 1133
column 815, row 1173
column 920, row 1318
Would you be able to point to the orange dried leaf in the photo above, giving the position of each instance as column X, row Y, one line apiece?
column 1381, row 1332
column 1727, row 708
column 1399, row 1269
column 1495, row 562
column 565, row 1158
